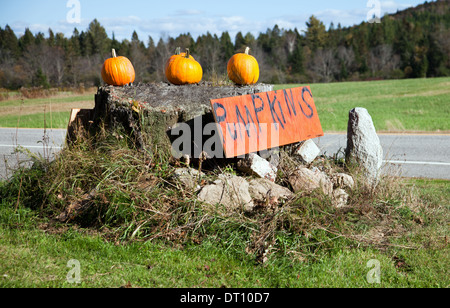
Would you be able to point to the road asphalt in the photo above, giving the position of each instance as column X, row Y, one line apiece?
column 406, row 155
column 17, row 146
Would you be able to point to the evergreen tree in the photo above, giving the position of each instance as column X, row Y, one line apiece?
column 388, row 25
column 226, row 46
column 249, row 40
column 151, row 55
column 74, row 44
column 239, row 42
column 40, row 79
column 316, row 34
column 115, row 44
column 296, row 59
column 39, row 38
column 85, row 44
column 151, row 44
column 9, row 42
column 61, row 41
column 436, row 56
column 51, row 38
column 98, row 39
column 209, row 54
column 419, row 62
column 125, row 49
column 26, row 40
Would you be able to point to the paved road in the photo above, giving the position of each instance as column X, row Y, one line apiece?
column 24, row 140
column 419, row 155
column 406, row 155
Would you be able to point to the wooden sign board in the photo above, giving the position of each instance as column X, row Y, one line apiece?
column 261, row 121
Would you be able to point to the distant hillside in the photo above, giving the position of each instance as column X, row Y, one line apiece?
column 411, row 43
column 441, row 7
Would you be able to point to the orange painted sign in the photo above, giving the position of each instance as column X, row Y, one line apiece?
column 261, row 121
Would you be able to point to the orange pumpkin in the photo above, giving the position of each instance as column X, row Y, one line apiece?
column 182, row 68
column 243, row 69
column 118, row 71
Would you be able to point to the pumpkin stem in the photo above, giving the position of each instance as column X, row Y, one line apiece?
column 114, row 53
column 247, row 50
column 178, row 51
column 187, row 53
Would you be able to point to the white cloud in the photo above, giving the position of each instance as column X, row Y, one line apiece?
column 392, row 6
column 199, row 25
column 284, row 23
column 344, row 17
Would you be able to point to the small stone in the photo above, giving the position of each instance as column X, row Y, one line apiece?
column 187, row 177
column 343, row 180
column 229, row 190
column 303, row 179
column 339, row 198
column 308, row 151
column 254, row 164
column 263, row 189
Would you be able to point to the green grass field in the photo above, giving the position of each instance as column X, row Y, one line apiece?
column 38, row 120
column 395, row 105
column 51, row 112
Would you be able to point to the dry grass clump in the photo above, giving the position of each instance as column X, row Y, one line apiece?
column 37, row 92
column 4, row 94
column 42, row 92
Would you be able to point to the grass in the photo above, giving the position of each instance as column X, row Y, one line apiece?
column 35, row 256
column 395, row 105
column 60, row 98
column 129, row 224
column 32, row 258
column 52, row 112
column 37, row 120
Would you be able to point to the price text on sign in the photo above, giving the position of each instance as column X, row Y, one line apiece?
column 257, row 122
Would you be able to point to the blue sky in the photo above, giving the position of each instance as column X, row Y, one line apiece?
column 171, row 18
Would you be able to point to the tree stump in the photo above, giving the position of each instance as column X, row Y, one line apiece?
column 149, row 112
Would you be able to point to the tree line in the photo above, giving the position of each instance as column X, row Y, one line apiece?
column 409, row 44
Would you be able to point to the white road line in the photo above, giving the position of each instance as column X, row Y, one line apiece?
column 416, row 163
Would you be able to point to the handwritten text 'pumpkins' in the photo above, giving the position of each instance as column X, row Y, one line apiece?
column 257, row 122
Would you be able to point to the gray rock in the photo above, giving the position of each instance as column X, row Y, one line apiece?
column 339, row 198
column 308, row 151
column 363, row 145
column 254, row 164
column 229, row 190
column 343, row 180
column 303, row 179
column 263, row 189
column 187, row 177
column 274, row 159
